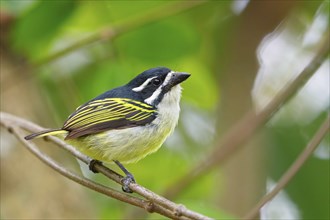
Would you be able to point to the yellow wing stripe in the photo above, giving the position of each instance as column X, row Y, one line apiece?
column 106, row 110
column 119, row 101
column 112, row 102
column 79, row 119
column 87, row 109
column 139, row 116
column 86, row 120
column 101, row 121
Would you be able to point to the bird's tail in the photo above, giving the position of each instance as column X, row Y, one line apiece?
column 45, row 133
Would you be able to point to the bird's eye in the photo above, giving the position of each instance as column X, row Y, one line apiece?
column 156, row 82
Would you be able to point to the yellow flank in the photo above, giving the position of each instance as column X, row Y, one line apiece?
column 114, row 145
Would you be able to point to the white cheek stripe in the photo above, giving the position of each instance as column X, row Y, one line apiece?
column 156, row 93
column 153, row 97
column 143, row 85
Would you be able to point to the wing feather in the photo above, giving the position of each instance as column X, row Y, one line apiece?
column 106, row 114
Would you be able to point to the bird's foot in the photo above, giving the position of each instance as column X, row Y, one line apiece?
column 126, row 181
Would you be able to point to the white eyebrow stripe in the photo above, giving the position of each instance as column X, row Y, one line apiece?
column 143, row 85
column 168, row 77
column 156, row 93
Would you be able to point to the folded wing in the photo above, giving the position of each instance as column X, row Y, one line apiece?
column 106, row 114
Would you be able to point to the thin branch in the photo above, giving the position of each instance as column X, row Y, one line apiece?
column 152, row 201
column 113, row 31
column 73, row 176
column 292, row 171
column 249, row 125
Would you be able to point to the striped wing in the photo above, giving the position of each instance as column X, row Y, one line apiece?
column 106, row 114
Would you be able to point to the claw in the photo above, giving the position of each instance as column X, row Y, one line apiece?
column 128, row 179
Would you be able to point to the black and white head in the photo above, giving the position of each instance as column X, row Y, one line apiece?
column 158, row 85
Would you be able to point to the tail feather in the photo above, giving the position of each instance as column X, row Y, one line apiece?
column 45, row 133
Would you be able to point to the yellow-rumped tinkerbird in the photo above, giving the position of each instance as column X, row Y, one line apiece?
column 125, row 124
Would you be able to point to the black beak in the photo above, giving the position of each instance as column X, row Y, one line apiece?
column 178, row 77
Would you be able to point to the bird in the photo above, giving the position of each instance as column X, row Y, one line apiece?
column 127, row 123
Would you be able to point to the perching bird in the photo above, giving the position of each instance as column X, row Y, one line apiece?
column 125, row 124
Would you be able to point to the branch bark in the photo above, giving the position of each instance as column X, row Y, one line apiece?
column 292, row 171
column 151, row 202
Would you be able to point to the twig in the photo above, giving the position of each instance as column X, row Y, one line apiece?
column 249, row 125
column 152, row 201
column 292, row 171
column 113, row 31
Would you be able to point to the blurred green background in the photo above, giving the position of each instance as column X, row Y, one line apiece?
column 240, row 53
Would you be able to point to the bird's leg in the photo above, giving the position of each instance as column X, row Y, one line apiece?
column 91, row 165
column 128, row 179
